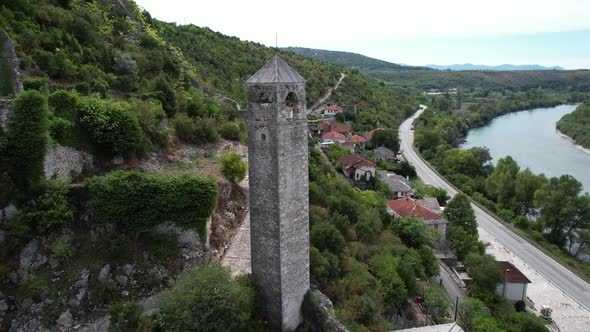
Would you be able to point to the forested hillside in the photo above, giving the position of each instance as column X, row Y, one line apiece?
column 348, row 59
column 577, row 125
column 417, row 79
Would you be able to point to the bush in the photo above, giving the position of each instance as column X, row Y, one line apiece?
column 522, row 222
column 27, row 141
column 230, row 131
column 193, row 304
column 61, row 130
column 63, row 248
column 36, row 83
column 325, row 236
column 205, row 131
column 125, row 316
column 64, row 104
column 505, row 215
column 136, row 201
column 436, row 298
column 184, row 126
column 50, row 210
column 233, row 167
column 111, row 129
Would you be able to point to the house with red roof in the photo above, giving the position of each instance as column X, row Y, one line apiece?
column 356, row 167
column 334, row 137
column 343, row 129
column 332, row 110
column 514, row 283
column 349, row 145
column 408, row 207
column 357, row 139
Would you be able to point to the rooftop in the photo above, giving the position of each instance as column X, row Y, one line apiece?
column 355, row 160
column 511, row 273
column 276, row 71
column 407, row 207
column 333, row 135
column 358, row 139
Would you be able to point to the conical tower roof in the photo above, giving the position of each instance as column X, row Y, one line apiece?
column 276, row 71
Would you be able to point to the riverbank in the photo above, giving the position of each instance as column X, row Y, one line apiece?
column 576, row 145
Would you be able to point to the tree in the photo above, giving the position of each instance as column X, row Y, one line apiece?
column 457, row 161
column 463, row 243
column 233, row 167
column 436, row 298
column 206, row 299
column 500, row 184
column 460, row 213
column 413, row 232
column 27, row 142
column 525, row 186
column 387, row 138
column 325, row 236
column 561, row 210
column 485, row 274
column 471, row 309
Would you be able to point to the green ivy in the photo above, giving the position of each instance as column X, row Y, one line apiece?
column 137, row 201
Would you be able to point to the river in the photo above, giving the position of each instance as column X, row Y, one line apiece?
column 531, row 139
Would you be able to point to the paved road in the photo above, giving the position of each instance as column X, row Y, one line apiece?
column 555, row 273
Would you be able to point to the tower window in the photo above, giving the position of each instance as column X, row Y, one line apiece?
column 291, row 105
column 263, row 99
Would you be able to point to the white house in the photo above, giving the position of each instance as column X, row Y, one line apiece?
column 356, row 167
column 514, row 283
column 331, row 110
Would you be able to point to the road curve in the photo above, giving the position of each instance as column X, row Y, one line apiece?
column 554, row 272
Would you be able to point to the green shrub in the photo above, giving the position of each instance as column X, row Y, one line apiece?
column 436, row 298
column 111, row 129
column 184, row 126
column 206, row 299
column 63, row 248
column 505, row 215
column 150, row 114
column 50, row 210
column 522, row 222
column 162, row 246
column 233, row 167
column 125, row 316
column 147, row 41
column 64, row 104
column 104, row 292
column 205, row 131
column 36, row 83
column 325, row 236
column 27, row 141
column 136, row 201
column 230, row 131
column 61, row 130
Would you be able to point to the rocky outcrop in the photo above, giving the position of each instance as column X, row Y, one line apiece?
column 318, row 313
column 66, row 162
column 9, row 56
column 6, row 111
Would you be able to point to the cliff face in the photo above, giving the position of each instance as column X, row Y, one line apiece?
column 9, row 67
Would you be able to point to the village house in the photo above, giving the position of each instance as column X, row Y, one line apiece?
column 357, row 139
column 349, row 145
column 408, row 207
column 334, row 137
column 398, row 184
column 514, row 283
column 384, row 154
column 332, row 110
column 343, row 129
column 431, row 203
column 356, row 167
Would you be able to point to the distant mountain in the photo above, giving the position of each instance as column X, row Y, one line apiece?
column 348, row 59
column 505, row 67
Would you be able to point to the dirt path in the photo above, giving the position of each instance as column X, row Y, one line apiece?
column 237, row 256
column 327, row 95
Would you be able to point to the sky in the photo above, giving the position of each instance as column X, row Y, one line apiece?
column 413, row 32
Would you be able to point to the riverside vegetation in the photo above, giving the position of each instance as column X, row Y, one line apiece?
column 577, row 125
column 516, row 195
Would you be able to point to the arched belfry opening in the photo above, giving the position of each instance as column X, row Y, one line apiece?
column 263, row 98
column 291, row 105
